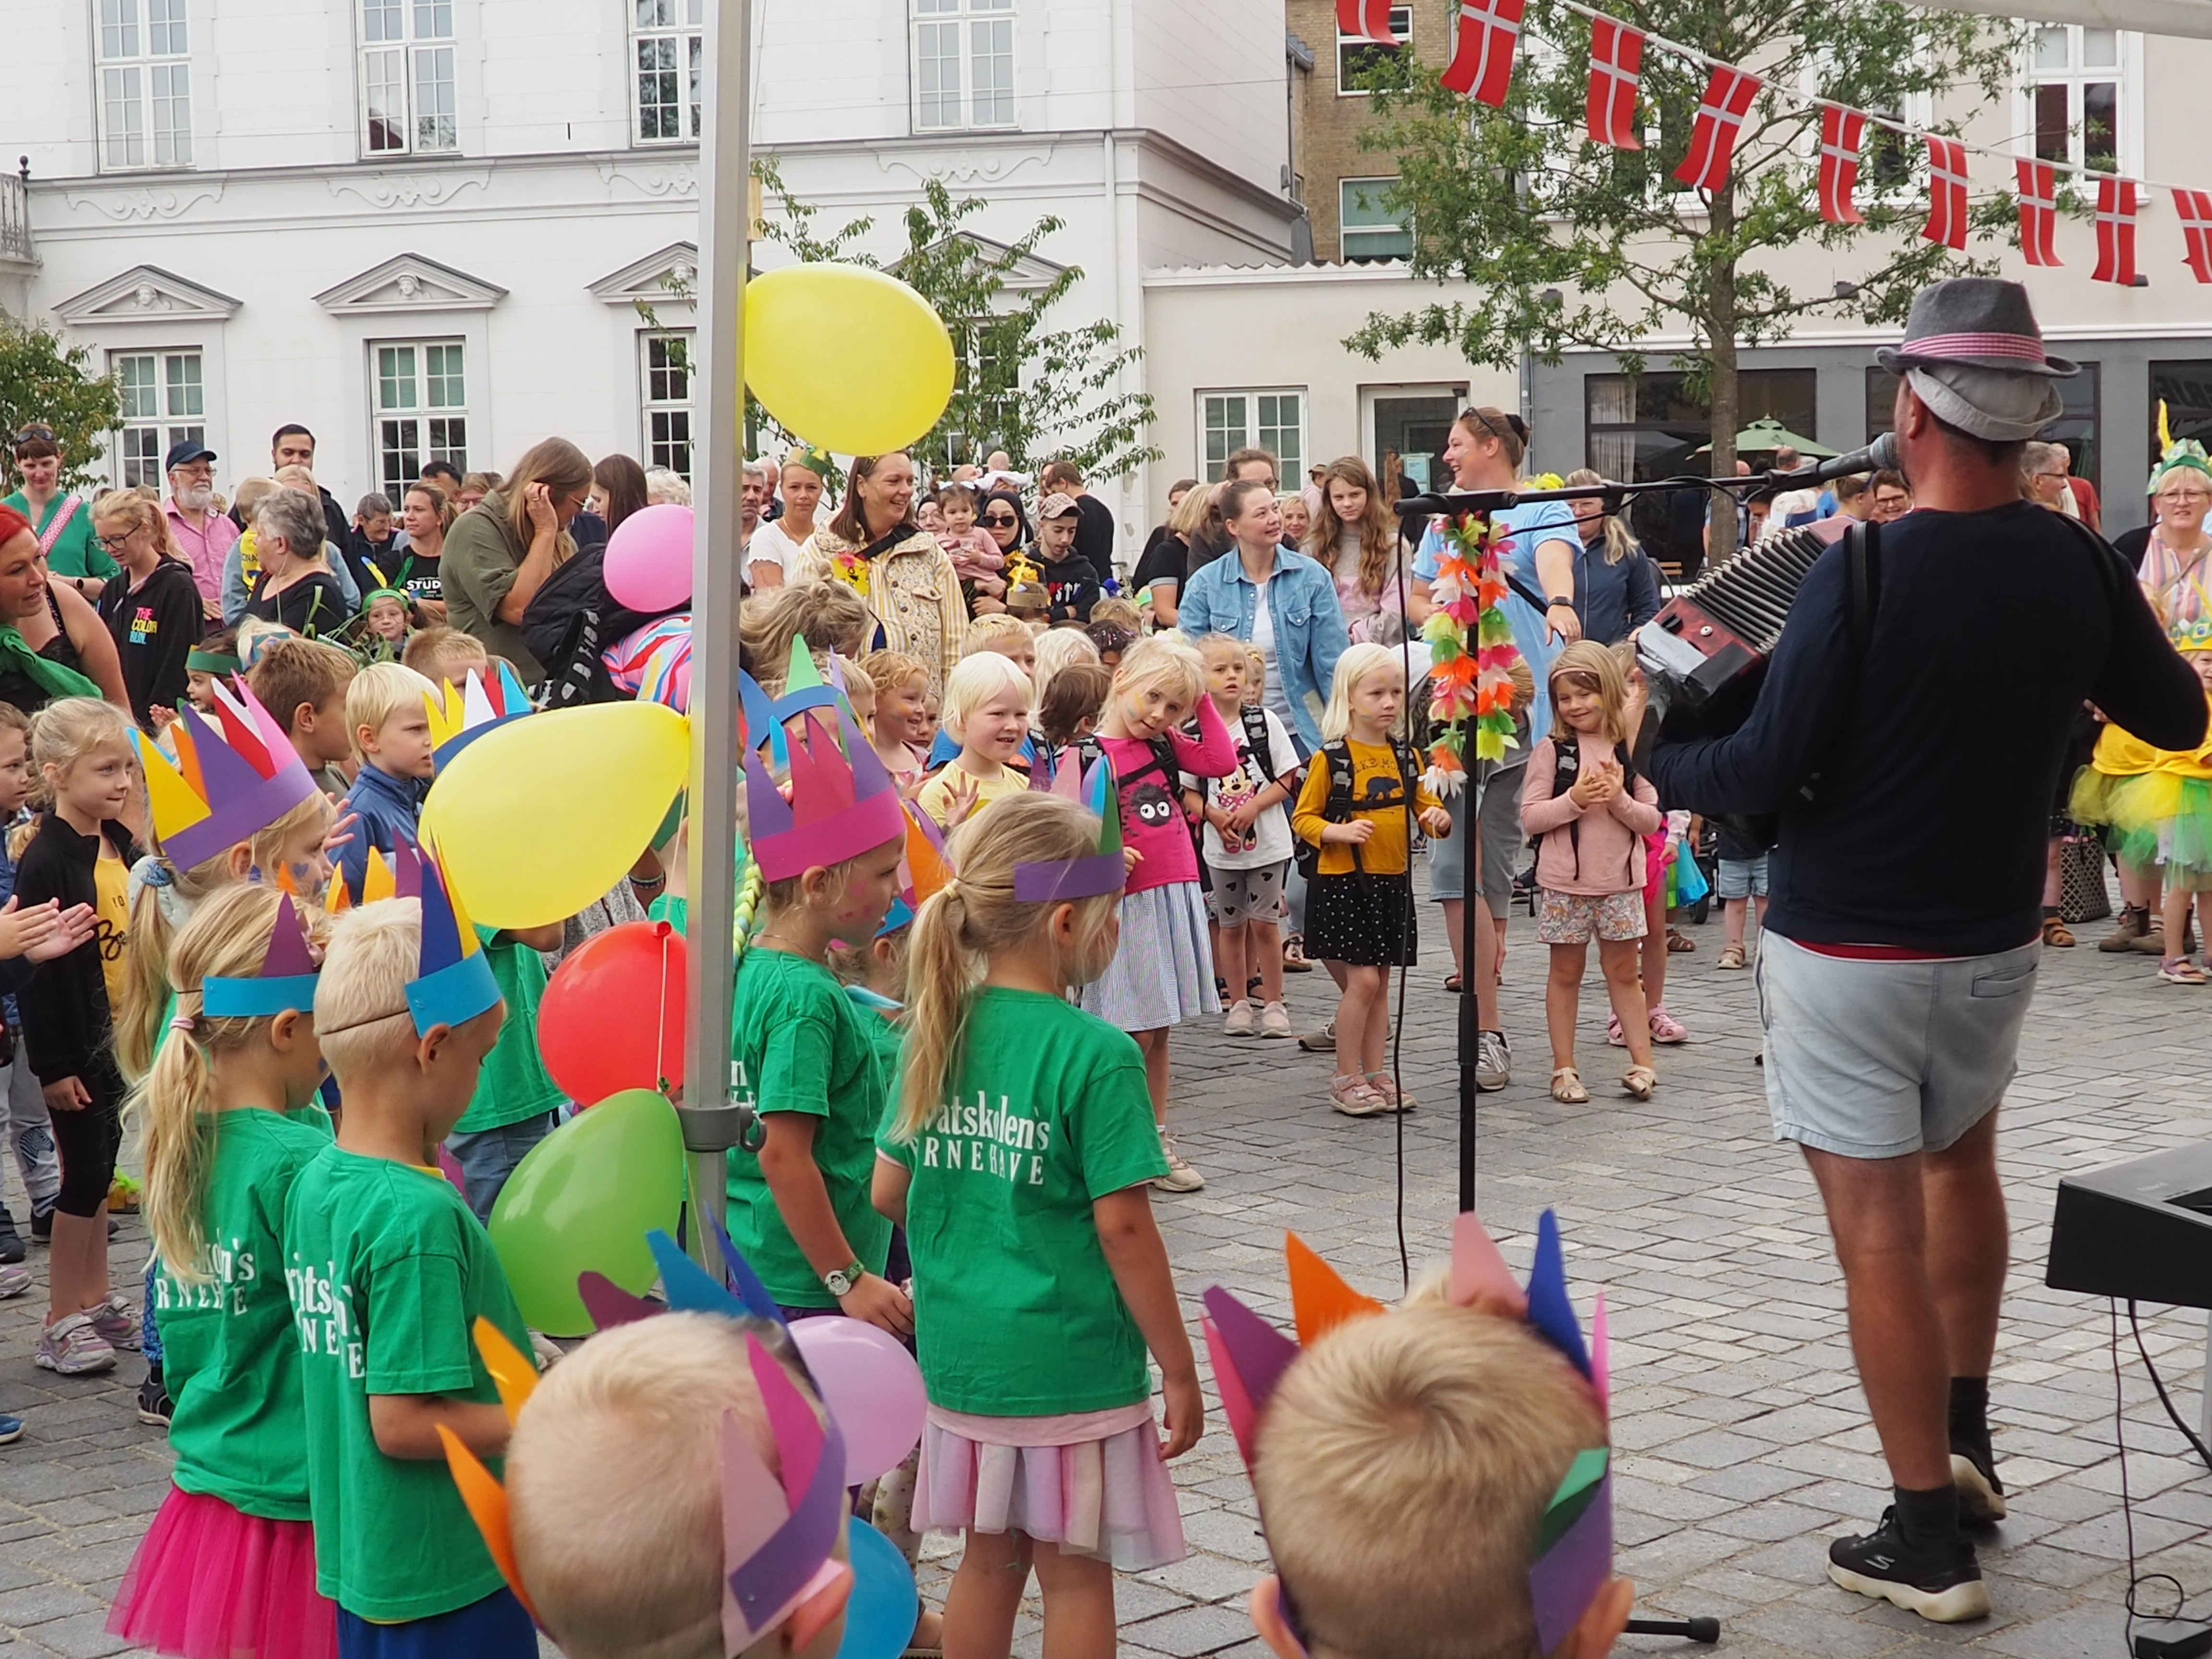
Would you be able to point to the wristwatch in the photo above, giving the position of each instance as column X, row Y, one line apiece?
column 840, row 1281
column 1555, row 599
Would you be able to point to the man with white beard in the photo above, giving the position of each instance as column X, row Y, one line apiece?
column 203, row 535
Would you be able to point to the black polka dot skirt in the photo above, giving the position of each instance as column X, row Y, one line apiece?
column 1363, row 919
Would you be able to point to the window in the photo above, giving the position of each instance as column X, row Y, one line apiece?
column 2073, row 93
column 145, row 84
column 1648, row 425
column 1356, row 53
column 2185, row 389
column 422, row 410
column 668, row 46
column 1273, row 421
column 1370, row 230
column 667, row 400
column 407, row 77
column 163, row 403
column 963, row 63
column 2075, row 424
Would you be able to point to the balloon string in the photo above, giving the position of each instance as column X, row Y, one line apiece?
column 660, row 1035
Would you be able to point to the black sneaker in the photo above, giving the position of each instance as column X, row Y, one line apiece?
column 11, row 1241
column 1943, row 1586
column 154, row 1406
column 42, row 1226
column 1974, row 1473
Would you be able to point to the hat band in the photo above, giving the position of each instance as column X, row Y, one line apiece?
column 2024, row 347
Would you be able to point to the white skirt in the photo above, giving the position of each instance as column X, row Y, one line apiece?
column 1162, row 974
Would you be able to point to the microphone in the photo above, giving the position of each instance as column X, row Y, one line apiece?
column 1879, row 456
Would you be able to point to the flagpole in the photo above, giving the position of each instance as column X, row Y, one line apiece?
column 712, row 1118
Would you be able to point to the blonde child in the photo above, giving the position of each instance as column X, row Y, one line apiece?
column 1054, row 650
column 443, row 653
column 1039, row 1277
column 901, row 686
column 215, row 657
column 1247, row 844
column 1589, row 811
column 987, row 714
column 405, row 1021
column 828, row 615
column 389, row 716
column 229, row 1120
column 303, row 683
column 1359, row 892
column 1162, row 974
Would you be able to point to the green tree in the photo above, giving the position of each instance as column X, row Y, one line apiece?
column 1570, row 244
column 45, row 380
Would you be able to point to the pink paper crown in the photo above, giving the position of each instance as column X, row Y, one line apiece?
column 843, row 801
column 233, row 777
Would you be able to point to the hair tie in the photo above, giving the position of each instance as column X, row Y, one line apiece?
column 156, row 873
column 182, row 1023
column 951, row 887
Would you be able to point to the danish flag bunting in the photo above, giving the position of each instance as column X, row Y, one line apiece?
column 2039, row 211
column 2117, row 204
column 1368, row 18
column 1616, row 61
column 1482, row 53
column 1721, row 111
column 1947, row 192
column 2195, row 207
column 1841, row 132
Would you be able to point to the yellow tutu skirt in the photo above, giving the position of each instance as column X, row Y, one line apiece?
column 2156, row 818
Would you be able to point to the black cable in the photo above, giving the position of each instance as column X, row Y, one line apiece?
column 2136, row 1580
column 2156, row 1382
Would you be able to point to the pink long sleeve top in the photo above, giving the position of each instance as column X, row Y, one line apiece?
column 1152, row 818
column 1592, row 850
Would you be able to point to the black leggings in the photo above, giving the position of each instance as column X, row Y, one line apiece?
column 88, row 1139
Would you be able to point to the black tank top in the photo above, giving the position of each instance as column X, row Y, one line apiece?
column 19, row 689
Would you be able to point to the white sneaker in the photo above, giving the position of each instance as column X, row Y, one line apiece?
column 14, row 1280
column 1239, row 1019
column 1180, row 1177
column 73, row 1347
column 1274, row 1021
column 1493, row 1061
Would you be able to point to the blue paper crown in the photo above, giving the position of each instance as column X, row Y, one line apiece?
column 453, row 982
column 286, row 981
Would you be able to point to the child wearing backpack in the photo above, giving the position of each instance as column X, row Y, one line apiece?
column 1359, row 892
column 1589, row 810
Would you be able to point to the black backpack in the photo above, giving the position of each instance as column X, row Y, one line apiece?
column 569, row 621
column 1337, row 808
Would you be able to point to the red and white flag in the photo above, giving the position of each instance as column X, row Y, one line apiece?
column 1947, row 192
column 2039, row 211
column 2116, row 204
column 1841, row 132
column 1482, row 50
column 1369, row 18
column 2195, row 207
column 1721, row 111
column 1616, row 61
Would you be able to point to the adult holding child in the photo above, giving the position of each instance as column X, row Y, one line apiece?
column 500, row 551
column 874, row 547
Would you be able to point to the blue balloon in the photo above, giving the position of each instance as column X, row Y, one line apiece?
column 880, row 1614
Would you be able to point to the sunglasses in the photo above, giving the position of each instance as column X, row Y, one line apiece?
column 1000, row 518
column 1514, row 424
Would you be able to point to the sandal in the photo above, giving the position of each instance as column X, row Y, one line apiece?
column 1679, row 941
column 1639, row 1081
column 2180, row 971
column 1294, row 955
column 1350, row 1095
column 1731, row 957
column 2057, row 934
column 1452, row 984
column 1392, row 1096
column 1567, row 1087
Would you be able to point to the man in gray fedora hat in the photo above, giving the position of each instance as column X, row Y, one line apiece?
column 1912, row 778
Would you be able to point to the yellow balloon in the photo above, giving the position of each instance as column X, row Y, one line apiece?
column 846, row 357
column 540, row 818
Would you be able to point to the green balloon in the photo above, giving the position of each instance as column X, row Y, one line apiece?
column 582, row 1200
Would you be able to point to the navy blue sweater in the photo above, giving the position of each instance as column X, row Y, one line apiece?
column 1936, row 758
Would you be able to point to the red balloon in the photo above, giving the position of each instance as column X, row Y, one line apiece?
column 612, row 1018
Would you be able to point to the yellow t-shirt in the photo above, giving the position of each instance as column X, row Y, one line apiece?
column 936, row 797
column 1375, row 776
column 111, row 881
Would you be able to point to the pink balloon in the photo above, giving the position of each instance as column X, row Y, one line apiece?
column 872, row 1387
column 648, row 562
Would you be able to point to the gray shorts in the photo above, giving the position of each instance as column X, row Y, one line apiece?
column 1880, row 1058
column 1243, row 896
column 1501, row 841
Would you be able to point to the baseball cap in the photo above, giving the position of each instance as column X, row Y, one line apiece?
column 185, row 453
column 1056, row 506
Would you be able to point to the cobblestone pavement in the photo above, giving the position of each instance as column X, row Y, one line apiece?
column 1744, row 1441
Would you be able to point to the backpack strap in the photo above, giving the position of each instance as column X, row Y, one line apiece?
column 1254, row 719
column 1863, row 555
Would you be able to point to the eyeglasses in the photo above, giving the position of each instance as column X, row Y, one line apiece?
column 116, row 544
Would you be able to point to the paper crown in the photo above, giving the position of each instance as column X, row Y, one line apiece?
column 921, row 871
column 842, row 802
column 286, row 980
column 2193, row 635
column 1574, row 1546
column 453, row 982
column 460, row 714
column 761, row 718
column 233, row 777
column 1049, row 881
column 2185, row 456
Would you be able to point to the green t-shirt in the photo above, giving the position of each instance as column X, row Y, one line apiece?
column 388, row 1274
column 801, row 1047
column 227, row 1354
column 77, row 552
column 512, row 1085
column 1016, row 1311
column 672, row 908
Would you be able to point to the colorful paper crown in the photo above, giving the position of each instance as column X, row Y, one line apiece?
column 842, row 802
column 1574, row 1544
column 921, row 871
column 461, row 715
column 761, row 718
column 286, row 980
column 1048, row 881
column 211, row 662
column 232, row 778
column 2186, row 455
column 453, row 982
column 2194, row 634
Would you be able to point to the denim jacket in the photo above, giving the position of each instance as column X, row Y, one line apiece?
column 1309, row 632
column 389, row 807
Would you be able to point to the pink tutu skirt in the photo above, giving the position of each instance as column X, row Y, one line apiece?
column 1091, row 1482
column 210, row 1582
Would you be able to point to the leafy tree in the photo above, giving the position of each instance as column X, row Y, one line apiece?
column 1570, row 244
column 44, row 380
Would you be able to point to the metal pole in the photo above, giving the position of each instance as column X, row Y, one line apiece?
column 712, row 1120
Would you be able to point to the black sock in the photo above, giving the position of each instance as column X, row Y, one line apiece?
column 2051, row 913
column 1969, row 1410
column 1927, row 1520
column 153, row 1372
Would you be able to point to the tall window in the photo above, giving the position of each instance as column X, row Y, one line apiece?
column 667, row 45
column 422, row 410
column 145, row 84
column 1370, row 230
column 163, row 404
column 1355, row 54
column 407, row 77
column 2074, row 94
column 667, row 370
column 1274, row 421
column 1650, row 426
column 963, row 63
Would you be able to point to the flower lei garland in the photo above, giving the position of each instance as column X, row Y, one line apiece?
column 1471, row 649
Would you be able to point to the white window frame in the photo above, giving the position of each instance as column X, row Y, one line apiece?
column 1247, row 429
column 659, row 409
column 1401, row 25
column 407, row 65
column 421, row 412
column 674, row 30
column 142, row 82
column 173, row 409
column 1344, row 187
column 2125, row 74
column 958, row 107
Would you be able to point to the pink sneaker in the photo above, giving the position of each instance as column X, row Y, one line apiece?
column 1665, row 1028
